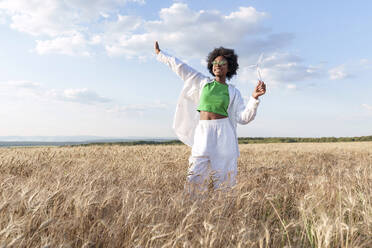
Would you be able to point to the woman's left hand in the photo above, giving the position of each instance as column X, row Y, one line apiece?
column 259, row 90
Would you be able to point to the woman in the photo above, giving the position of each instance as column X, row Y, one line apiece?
column 206, row 117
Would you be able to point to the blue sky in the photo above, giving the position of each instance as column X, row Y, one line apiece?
column 79, row 67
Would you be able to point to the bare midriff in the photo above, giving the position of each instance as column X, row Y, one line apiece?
column 204, row 115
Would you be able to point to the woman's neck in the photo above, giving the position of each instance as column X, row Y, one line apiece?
column 221, row 80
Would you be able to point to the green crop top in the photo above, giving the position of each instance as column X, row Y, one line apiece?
column 215, row 98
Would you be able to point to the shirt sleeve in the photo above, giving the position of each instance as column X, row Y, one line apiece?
column 184, row 71
column 246, row 113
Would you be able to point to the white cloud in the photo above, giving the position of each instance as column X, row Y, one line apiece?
column 281, row 68
column 72, row 26
column 366, row 106
column 21, row 84
column 92, row 9
column 138, row 1
column 365, row 64
column 193, row 33
column 75, row 26
column 138, row 108
column 95, row 40
column 123, row 24
column 50, row 17
column 66, row 23
column 23, row 88
column 84, row 96
column 364, row 61
column 56, row 17
column 3, row 19
column 338, row 73
column 120, row 29
column 20, row 89
column 69, row 45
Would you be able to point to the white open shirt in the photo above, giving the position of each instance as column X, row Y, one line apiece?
column 187, row 117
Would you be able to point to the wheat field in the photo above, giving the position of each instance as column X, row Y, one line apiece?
column 288, row 195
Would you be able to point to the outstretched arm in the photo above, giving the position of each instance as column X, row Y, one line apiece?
column 184, row 71
column 246, row 114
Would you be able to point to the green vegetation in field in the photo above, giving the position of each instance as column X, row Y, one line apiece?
column 303, row 140
column 246, row 140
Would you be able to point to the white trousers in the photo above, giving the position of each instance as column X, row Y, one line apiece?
column 214, row 155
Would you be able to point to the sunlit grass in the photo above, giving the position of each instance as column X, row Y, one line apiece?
column 294, row 195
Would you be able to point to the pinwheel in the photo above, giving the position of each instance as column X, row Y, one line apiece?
column 258, row 67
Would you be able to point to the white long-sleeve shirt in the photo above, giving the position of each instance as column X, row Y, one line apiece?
column 187, row 117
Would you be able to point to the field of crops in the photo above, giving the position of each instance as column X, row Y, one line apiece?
column 288, row 195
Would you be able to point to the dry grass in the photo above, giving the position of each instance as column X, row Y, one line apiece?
column 289, row 195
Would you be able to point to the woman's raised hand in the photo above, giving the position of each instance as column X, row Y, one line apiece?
column 157, row 49
column 259, row 90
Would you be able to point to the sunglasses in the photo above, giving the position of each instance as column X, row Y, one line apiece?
column 222, row 62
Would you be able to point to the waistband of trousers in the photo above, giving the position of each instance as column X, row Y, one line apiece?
column 215, row 121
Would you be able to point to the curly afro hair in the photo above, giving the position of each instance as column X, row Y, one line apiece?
column 229, row 55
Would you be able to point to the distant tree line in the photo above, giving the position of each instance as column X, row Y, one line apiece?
column 247, row 140
column 302, row 140
column 139, row 142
